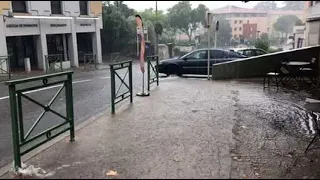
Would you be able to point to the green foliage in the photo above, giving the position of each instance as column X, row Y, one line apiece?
column 117, row 33
column 180, row 17
column 285, row 23
column 263, row 42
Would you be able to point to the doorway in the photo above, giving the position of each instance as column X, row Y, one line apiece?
column 20, row 47
column 84, row 41
column 55, row 45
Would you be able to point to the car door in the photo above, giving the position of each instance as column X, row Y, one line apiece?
column 193, row 63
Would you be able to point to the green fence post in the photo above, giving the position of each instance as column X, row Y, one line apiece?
column 14, row 124
column 148, row 67
column 157, row 62
column 130, row 81
column 69, row 105
column 61, row 68
column 20, row 117
column 95, row 61
column 113, row 90
column 8, row 67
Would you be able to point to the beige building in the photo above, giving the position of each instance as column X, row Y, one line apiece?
column 264, row 20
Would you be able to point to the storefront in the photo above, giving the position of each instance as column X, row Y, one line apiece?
column 35, row 38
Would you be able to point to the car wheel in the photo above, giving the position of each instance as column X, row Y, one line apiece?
column 173, row 69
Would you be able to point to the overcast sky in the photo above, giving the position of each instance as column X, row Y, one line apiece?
column 164, row 5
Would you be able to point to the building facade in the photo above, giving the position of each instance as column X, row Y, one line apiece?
column 312, row 15
column 241, row 18
column 35, row 29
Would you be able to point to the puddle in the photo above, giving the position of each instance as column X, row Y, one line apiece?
column 282, row 110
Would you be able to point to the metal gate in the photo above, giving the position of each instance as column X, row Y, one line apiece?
column 5, row 66
column 90, row 61
column 114, row 94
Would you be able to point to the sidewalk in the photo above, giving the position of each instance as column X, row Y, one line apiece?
column 189, row 128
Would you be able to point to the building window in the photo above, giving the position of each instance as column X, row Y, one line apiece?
column 240, row 28
column 240, row 21
column 247, row 21
column 235, row 21
column 235, row 36
column 19, row 6
column 268, row 29
column 235, row 29
column 56, row 7
column 83, row 7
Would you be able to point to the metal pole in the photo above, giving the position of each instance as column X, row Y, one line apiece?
column 113, row 91
column 69, row 104
column 14, row 126
column 143, row 83
column 215, row 39
column 208, row 68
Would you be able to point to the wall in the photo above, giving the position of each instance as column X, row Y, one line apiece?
column 96, row 8
column 40, row 8
column 258, row 66
column 4, row 5
column 71, row 8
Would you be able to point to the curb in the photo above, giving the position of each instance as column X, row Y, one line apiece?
column 42, row 148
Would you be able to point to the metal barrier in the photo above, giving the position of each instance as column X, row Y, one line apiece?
column 5, row 66
column 114, row 57
column 90, row 61
column 53, row 61
column 152, row 70
column 22, row 142
column 113, row 71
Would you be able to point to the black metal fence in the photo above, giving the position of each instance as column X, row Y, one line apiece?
column 54, row 63
column 24, row 142
column 115, row 96
column 90, row 61
column 153, row 73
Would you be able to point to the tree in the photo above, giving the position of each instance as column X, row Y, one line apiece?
column 263, row 42
column 180, row 17
column 199, row 14
column 116, row 32
column 285, row 23
column 293, row 5
column 266, row 5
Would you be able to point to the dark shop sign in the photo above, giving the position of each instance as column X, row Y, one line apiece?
column 58, row 25
column 85, row 24
column 21, row 25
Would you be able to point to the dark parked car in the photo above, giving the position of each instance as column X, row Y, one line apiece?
column 196, row 62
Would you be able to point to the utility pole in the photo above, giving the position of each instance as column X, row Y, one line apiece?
column 156, row 44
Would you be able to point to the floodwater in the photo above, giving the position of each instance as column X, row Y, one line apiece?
column 283, row 110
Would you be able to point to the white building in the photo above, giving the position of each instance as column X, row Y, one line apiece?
column 35, row 29
column 312, row 14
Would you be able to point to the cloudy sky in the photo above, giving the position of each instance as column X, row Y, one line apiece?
column 164, row 5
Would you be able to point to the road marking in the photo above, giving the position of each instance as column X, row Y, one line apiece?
column 41, row 89
column 106, row 77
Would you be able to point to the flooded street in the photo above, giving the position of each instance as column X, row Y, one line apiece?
column 271, row 133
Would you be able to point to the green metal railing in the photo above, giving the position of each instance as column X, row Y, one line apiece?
column 90, row 61
column 54, row 62
column 152, row 70
column 5, row 66
column 23, row 142
column 114, row 94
